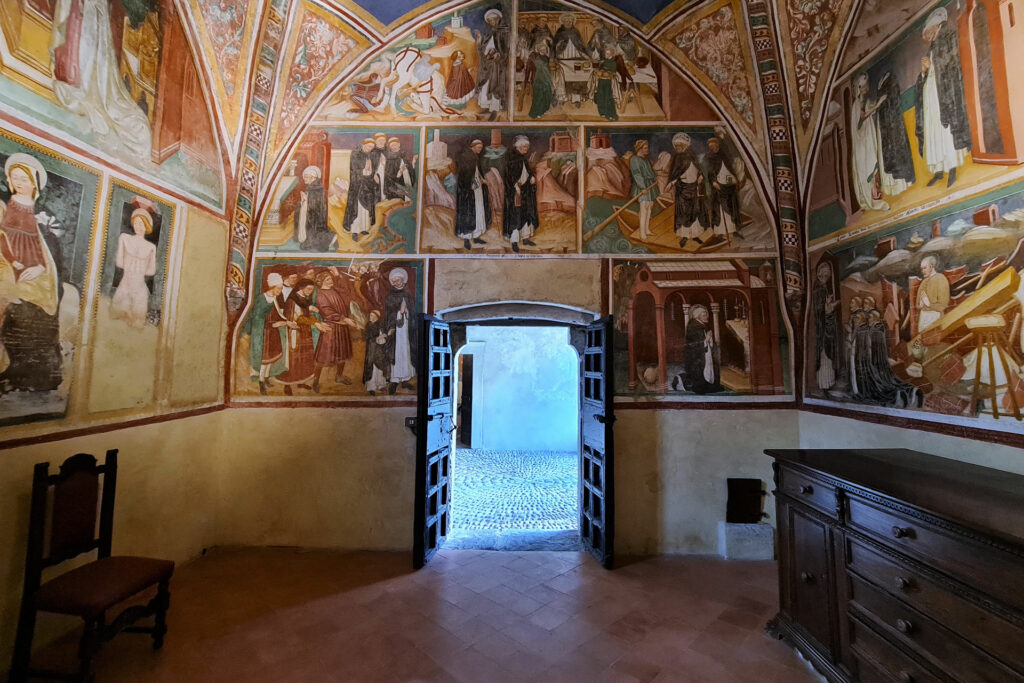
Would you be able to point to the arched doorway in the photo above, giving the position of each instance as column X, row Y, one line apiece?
column 536, row 472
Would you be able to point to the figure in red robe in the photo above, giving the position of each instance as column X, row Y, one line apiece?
column 334, row 348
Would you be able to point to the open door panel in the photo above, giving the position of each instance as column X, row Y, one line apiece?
column 435, row 421
column 597, row 483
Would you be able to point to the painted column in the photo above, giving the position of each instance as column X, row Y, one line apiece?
column 631, row 318
column 659, row 315
column 715, row 308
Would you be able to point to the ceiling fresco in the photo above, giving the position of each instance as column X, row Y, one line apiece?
column 391, row 12
column 227, row 31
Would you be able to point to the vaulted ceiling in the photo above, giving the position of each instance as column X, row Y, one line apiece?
column 765, row 66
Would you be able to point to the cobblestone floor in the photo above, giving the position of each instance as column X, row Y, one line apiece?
column 511, row 490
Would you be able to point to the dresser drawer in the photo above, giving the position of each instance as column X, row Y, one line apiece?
column 984, row 567
column 809, row 490
column 877, row 660
column 988, row 631
column 943, row 648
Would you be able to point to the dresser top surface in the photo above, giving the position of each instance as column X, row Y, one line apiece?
column 970, row 494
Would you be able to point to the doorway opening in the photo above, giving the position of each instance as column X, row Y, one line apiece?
column 515, row 469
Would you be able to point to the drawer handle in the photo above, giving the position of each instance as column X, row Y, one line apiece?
column 806, row 489
column 807, row 577
column 906, row 677
column 901, row 532
column 904, row 626
column 902, row 583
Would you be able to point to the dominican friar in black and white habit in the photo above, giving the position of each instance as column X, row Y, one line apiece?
column 701, row 356
column 472, row 203
column 827, row 343
column 520, row 216
column 363, row 191
column 311, row 229
column 492, row 77
column 725, row 196
column 691, row 214
column 398, row 174
column 871, row 377
column 943, row 131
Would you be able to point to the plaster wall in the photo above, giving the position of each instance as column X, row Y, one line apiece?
column 344, row 478
column 827, row 431
column 671, row 467
column 166, row 502
column 567, row 281
column 316, row 477
column 197, row 353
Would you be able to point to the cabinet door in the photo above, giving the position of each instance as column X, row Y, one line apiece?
column 810, row 580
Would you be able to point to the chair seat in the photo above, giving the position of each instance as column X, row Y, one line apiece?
column 91, row 589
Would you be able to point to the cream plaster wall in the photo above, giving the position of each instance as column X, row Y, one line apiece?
column 827, row 431
column 317, row 477
column 568, row 281
column 671, row 467
column 197, row 368
column 123, row 368
column 166, row 502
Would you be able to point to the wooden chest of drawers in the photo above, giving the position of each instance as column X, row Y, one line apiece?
column 900, row 566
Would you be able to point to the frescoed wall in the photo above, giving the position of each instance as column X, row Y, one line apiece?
column 453, row 68
column 348, row 190
column 575, row 66
column 330, row 328
column 695, row 329
column 513, row 187
column 119, row 78
column 670, row 190
column 914, row 223
column 501, row 190
column 49, row 209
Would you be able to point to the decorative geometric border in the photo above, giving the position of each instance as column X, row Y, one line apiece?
column 255, row 138
column 790, row 235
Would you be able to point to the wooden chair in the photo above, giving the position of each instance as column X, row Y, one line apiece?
column 62, row 525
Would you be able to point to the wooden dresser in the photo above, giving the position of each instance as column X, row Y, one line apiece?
column 896, row 565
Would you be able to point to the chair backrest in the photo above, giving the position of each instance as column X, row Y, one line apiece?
column 64, row 526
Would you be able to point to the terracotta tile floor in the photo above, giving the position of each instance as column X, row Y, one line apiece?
column 474, row 616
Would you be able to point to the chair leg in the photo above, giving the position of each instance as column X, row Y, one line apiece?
column 87, row 647
column 23, row 644
column 163, row 602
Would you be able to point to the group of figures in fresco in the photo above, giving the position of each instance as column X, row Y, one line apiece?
column 901, row 321
column 881, row 161
column 561, row 70
column 927, row 116
column 922, row 314
column 515, row 192
column 456, row 68
column 346, row 190
column 315, row 318
column 688, row 194
column 508, row 190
